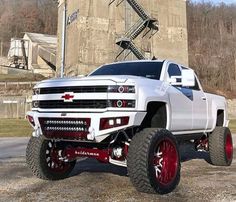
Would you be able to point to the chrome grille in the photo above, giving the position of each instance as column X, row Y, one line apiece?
column 75, row 89
column 76, row 104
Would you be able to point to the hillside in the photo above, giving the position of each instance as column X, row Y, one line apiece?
column 212, row 45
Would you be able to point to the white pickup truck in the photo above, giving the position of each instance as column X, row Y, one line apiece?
column 132, row 114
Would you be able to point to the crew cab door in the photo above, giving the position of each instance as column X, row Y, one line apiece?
column 199, row 107
column 181, row 102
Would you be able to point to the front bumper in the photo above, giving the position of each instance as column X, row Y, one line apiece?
column 94, row 133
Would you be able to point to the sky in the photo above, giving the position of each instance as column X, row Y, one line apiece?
column 217, row 1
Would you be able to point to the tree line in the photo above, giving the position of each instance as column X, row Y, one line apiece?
column 20, row 16
column 212, row 45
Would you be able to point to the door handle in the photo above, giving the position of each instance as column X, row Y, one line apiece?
column 204, row 98
column 189, row 95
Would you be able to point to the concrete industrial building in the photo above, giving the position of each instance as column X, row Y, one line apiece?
column 42, row 53
column 34, row 52
column 93, row 27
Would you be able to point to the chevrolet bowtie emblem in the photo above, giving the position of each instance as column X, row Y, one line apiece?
column 68, row 97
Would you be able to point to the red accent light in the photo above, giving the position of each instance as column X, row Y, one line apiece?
column 121, row 89
column 126, row 89
column 104, row 122
column 119, row 103
column 124, row 103
column 31, row 120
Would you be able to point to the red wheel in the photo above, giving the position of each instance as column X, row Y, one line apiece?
column 229, row 147
column 221, row 147
column 154, row 161
column 166, row 162
column 43, row 157
column 53, row 159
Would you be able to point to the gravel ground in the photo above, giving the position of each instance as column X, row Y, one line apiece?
column 93, row 181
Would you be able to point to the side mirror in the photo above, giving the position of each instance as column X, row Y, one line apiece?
column 188, row 78
column 175, row 80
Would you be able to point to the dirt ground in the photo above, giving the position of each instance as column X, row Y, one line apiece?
column 93, row 181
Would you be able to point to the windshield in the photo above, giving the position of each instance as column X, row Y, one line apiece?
column 151, row 70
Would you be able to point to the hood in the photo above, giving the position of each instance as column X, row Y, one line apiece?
column 98, row 81
column 88, row 81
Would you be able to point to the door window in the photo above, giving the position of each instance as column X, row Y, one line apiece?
column 174, row 70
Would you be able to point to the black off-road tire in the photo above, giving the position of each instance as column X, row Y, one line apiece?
column 221, row 147
column 141, row 158
column 37, row 160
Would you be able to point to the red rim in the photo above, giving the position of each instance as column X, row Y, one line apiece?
column 52, row 159
column 166, row 161
column 229, row 147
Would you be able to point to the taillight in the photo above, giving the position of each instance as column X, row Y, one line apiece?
column 107, row 123
column 31, row 120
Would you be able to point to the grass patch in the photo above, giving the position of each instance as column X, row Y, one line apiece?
column 15, row 128
column 232, row 125
column 21, row 77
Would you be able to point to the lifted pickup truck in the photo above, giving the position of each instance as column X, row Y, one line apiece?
column 133, row 114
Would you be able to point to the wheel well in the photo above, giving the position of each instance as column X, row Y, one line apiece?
column 220, row 118
column 156, row 116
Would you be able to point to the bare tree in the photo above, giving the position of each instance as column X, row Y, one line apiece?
column 20, row 16
column 212, row 44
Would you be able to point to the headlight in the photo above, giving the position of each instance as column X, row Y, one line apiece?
column 121, row 103
column 36, row 91
column 121, row 89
